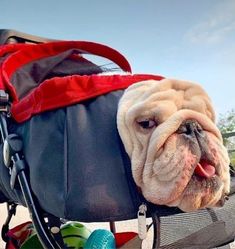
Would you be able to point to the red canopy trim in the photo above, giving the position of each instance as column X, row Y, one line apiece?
column 9, row 49
column 30, row 53
column 59, row 92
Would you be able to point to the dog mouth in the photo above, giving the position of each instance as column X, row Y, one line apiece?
column 205, row 177
column 205, row 169
column 192, row 131
column 207, row 181
column 203, row 188
column 207, row 186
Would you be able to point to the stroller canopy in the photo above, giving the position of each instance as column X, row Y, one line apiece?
column 67, row 77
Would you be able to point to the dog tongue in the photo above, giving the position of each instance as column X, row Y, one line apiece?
column 205, row 170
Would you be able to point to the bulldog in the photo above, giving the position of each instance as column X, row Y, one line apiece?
column 176, row 151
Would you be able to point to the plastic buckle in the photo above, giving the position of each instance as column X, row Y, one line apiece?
column 142, row 227
column 12, row 148
column 18, row 166
column 12, row 145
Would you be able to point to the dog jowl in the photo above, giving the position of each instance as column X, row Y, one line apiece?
column 176, row 151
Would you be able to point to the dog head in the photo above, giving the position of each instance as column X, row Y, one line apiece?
column 176, row 151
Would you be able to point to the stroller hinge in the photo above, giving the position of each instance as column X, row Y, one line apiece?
column 4, row 101
column 54, row 224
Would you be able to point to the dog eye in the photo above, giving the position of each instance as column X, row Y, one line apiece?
column 147, row 123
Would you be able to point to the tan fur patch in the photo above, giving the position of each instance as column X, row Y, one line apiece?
column 164, row 159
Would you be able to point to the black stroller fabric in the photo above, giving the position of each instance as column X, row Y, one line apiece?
column 78, row 167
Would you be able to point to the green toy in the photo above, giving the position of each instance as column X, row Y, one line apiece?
column 74, row 235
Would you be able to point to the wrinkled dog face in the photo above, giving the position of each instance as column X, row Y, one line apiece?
column 176, row 151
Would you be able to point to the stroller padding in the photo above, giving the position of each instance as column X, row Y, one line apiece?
column 207, row 228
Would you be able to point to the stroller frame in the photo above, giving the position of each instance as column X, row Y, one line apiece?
column 46, row 225
column 17, row 172
column 48, row 232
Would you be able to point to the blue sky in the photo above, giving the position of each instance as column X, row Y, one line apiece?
column 183, row 39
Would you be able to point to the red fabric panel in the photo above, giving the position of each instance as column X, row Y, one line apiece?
column 11, row 48
column 59, row 92
column 29, row 53
column 19, row 235
column 122, row 238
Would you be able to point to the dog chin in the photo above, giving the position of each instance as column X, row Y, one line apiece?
column 179, row 182
column 201, row 193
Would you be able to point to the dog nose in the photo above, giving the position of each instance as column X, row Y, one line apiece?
column 190, row 127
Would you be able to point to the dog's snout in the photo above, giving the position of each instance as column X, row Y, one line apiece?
column 193, row 127
column 190, row 127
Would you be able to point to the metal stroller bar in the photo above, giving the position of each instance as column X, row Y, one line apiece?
column 13, row 36
column 11, row 208
column 17, row 172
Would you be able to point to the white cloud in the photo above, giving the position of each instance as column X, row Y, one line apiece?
column 216, row 25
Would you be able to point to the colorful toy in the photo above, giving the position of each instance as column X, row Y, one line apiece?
column 100, row 239
column 75, row 234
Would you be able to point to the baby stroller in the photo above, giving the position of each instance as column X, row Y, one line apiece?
column 53, row 98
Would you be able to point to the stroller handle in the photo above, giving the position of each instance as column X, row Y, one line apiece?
column 8, row 36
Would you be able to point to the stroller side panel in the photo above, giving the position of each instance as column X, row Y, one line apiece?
column 77, row 164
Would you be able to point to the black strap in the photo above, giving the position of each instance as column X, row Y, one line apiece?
column 11, row 209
